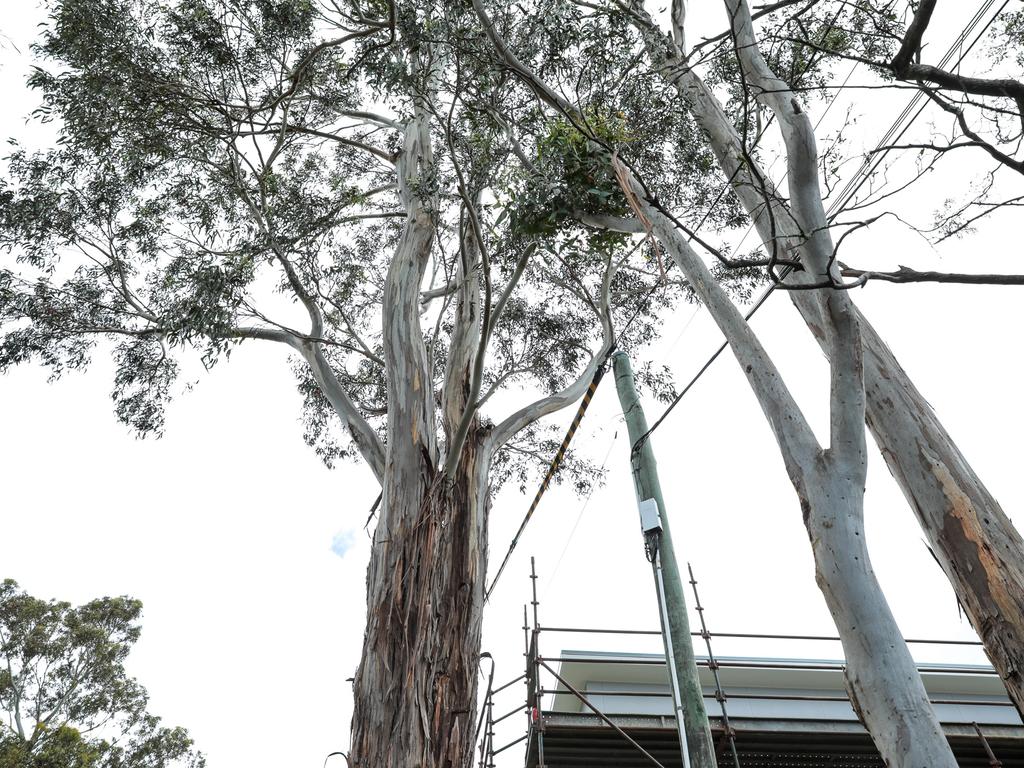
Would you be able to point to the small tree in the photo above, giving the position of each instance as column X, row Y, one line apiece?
column 67, row 700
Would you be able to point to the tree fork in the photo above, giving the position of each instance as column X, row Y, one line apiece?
column 886, row 687
column 975, row 543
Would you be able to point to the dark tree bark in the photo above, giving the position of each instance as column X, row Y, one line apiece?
column 416, row 687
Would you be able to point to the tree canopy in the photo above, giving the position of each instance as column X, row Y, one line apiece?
column 225, row 168
column 67, row 700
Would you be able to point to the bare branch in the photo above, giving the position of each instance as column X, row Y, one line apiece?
column 908, row 275
column 976, row 139
column 388, row 157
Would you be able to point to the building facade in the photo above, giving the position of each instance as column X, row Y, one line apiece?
column 614, row 709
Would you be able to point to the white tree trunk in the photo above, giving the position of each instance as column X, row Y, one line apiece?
column 973, row 540
column 415, row 688
column 884, row 684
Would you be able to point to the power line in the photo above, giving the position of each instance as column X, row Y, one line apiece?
column 556, row 461
column 881, row 149
column 864, row 172
column 579, row 517
column 821, row 117
column 693, row 316
column 675, row 401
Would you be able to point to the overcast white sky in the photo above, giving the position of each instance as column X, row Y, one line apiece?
column 224, row 528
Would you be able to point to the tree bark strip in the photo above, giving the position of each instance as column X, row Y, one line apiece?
column 416, row 687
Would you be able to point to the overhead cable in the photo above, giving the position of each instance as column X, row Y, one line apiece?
column 863, row 173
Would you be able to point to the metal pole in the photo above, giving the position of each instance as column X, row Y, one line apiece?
column 535, row 649
column 530, row 675
column 992, row 759
column 697, row 747
column 607, row 720
column 670, row 658
column 713, row 666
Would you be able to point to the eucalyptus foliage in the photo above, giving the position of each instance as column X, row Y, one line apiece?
column 67, row 700
column 221, row 162
column 377, row 188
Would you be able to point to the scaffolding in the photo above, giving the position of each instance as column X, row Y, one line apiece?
column 540, row 668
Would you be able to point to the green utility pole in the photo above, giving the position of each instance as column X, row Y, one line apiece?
column 688, row 698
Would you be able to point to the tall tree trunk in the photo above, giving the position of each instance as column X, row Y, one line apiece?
column 975, row 543
column 838, row 471
column 884, row 683
column 415, row 690
column 973, row 540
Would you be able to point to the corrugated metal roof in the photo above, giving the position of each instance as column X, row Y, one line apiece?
column 574, row 744
column 771, row 730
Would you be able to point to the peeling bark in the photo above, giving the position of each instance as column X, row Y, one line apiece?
column 971, row 537
column 973, row 540
column 415, row 690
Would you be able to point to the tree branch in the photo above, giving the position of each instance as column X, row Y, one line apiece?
column 976, row 139
column 568, row 395
column 363, row 435
column 908, row 275
column 796, row 439
column 912, row 39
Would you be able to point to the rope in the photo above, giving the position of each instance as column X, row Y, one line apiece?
column 553, row 468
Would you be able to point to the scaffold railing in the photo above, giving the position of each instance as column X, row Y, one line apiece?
column 541, row 668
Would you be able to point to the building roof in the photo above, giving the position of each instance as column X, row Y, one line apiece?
column 783, row 711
